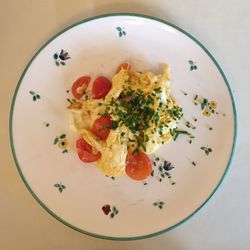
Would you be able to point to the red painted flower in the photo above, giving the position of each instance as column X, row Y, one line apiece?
column 106, row 209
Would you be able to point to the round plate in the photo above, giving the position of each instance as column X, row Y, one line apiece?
column 78, row 194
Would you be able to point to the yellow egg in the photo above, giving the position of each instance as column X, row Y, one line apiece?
column 114, row 149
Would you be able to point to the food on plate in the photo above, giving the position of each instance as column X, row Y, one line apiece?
column 123, row 120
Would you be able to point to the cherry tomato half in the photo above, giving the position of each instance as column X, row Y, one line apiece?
column 101, row 87
column 101, row 127
column 86, row 152
column 123, row 66
column 79, row 86
column 138, row 166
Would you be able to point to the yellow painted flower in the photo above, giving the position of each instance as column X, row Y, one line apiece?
column 206, row 112
column 213, row 104
column 63, row 144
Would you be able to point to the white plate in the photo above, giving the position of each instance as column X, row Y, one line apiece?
column 74, row 192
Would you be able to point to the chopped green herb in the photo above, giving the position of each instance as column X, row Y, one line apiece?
column 158, row 90
column 114, row 124
column 177, row 132
column 105, row 113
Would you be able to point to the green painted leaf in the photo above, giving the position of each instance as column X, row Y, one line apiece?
column 116, row 212
column 119, row 28
column 152, row 173
column 124, row 33
column 161, row 203
column 57, row 63
column 195, row 67
column 62, row 136
column 63, row 186
column 32, row 92
column 192, row 68
column 57, row 185
column 56, row 140
column 191, row 62
column 63, row 63
column 202, row 148
column 55, row 56
column 38, row 96
column 112, row 215
column 120, row 34
column 209, row 149
column 155, row 203
column 65, row 151
column 60, row 189
column 34, row 98
column 160, row 206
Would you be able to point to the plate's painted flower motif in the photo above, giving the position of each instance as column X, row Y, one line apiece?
column 161, row 169
column 213, row 104
column 64, row 55
column 121, row 31
column 207, row 107
column 61, row 57
column 159, row 204
column 62, row 142
column 206, row 112
column 108, row 211
column 167, row 165
column 193, row 65
column 35, row 95
column 60, row 187
column 206, row 149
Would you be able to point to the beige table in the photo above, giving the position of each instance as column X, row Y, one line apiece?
column 223, row 26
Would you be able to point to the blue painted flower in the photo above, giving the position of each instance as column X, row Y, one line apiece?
column 64, row 55
column 167, row 165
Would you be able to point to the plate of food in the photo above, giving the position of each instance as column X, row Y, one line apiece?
column 122, row 126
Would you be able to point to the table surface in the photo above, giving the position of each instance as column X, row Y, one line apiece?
column 223, row 26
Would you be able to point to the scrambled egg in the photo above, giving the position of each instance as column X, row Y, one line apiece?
column 141, row 106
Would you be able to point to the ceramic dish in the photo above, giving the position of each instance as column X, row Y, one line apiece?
column 78, row 194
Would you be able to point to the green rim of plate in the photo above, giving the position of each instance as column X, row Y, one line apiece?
column 12, row 142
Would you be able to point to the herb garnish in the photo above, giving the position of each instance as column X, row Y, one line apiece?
column 138, row 112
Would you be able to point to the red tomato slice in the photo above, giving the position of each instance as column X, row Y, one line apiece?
column 124, row 66
column 86, row 152
column 101, row 87
column 138, row 166
column 79, row 86
column 101, row 127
